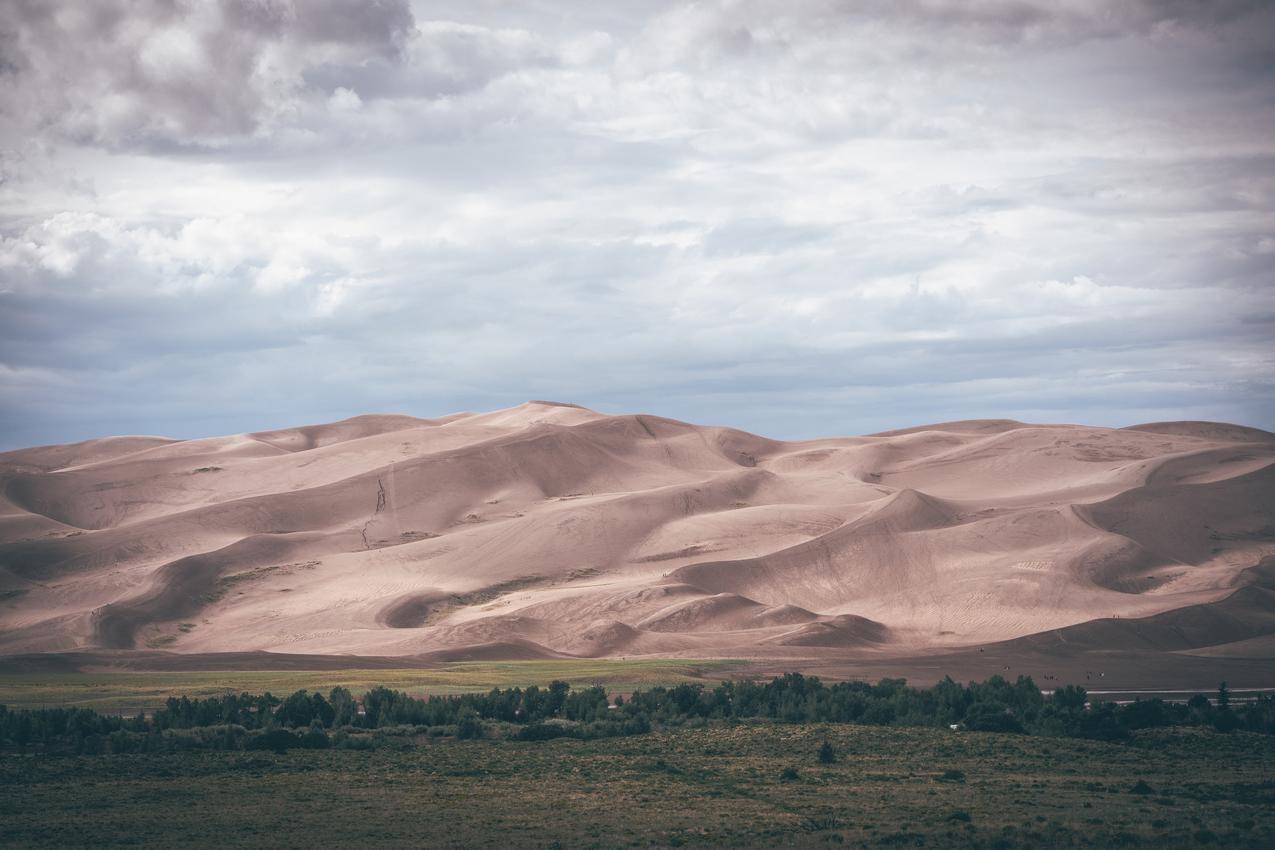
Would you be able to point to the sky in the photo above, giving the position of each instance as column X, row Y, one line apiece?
column 800, row 218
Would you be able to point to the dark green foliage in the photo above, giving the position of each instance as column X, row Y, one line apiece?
column 468, row 726
column 542, row 732
column 344, row 707
column 1066, row 713
column 315, row 738
column 789, row 774
column 827, row 755
column 1144, row 714
column 1226, row 721
column 301, row 709
column 992, row 717
column 239, row 721
column 1070, row 698
column 278, row 740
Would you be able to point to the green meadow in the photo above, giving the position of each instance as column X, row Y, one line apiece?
column 131, row 691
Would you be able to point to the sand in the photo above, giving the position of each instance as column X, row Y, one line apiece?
column 549, row 530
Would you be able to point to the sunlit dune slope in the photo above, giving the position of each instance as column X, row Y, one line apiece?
column 550, row 530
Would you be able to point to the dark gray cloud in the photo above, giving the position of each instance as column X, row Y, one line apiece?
column 810, row 218
column 128, row 73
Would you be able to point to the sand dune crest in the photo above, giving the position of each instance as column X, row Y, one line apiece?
column 550, row 530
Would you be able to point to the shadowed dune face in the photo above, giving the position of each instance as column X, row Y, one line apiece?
column 549, row 530
column 1228, row 626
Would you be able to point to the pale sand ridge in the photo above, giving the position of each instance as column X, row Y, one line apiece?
column 549, row 530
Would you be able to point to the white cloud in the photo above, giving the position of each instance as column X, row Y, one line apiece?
column 826, row 217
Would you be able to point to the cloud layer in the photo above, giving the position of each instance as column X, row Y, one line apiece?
column 797, row 218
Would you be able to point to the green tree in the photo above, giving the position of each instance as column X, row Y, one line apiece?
column 557, row 696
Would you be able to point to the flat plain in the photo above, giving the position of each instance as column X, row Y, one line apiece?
column 128, row 691
column 715, row 785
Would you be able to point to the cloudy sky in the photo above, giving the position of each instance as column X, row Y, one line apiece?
column 798, row 218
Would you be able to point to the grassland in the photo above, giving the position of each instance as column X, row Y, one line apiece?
column 717, row 785
column 129, row 691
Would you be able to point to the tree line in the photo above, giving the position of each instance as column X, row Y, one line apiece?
column 311, row 720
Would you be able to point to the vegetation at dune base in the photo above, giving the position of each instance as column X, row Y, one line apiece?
column 313, row 721
column 790, row 761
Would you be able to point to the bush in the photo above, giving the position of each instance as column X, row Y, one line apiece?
column 541, row 732
column 1226, row 721
column 468, row 726
column 1144, row 714
column 393, row 739
column 788, row 774
column 353, row 742
column 279, row 740
column 315, row 739
column 991, row 717
column 827, row 755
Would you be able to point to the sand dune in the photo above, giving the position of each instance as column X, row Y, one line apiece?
column 549, row 530
column 1234, row 622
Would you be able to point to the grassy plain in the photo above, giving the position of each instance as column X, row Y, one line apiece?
column 128, row 691
column 717, row 785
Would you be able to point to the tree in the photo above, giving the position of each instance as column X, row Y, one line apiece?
column 1144, row 714
column 1223, row 697
column 1070, row 698
column 297, row 710
column 557, row 696
column 344, row 710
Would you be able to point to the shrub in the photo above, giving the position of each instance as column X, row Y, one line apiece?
column 354, row 742
column 1144, row 714
column 279, row 740
column 315, row 739
column 827, row 755
column 468, row 726
column 991, row 717
column 541, row 732
column 1225, row 721
column 788, row 774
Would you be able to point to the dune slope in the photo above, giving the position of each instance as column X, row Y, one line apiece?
column 549, row 530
